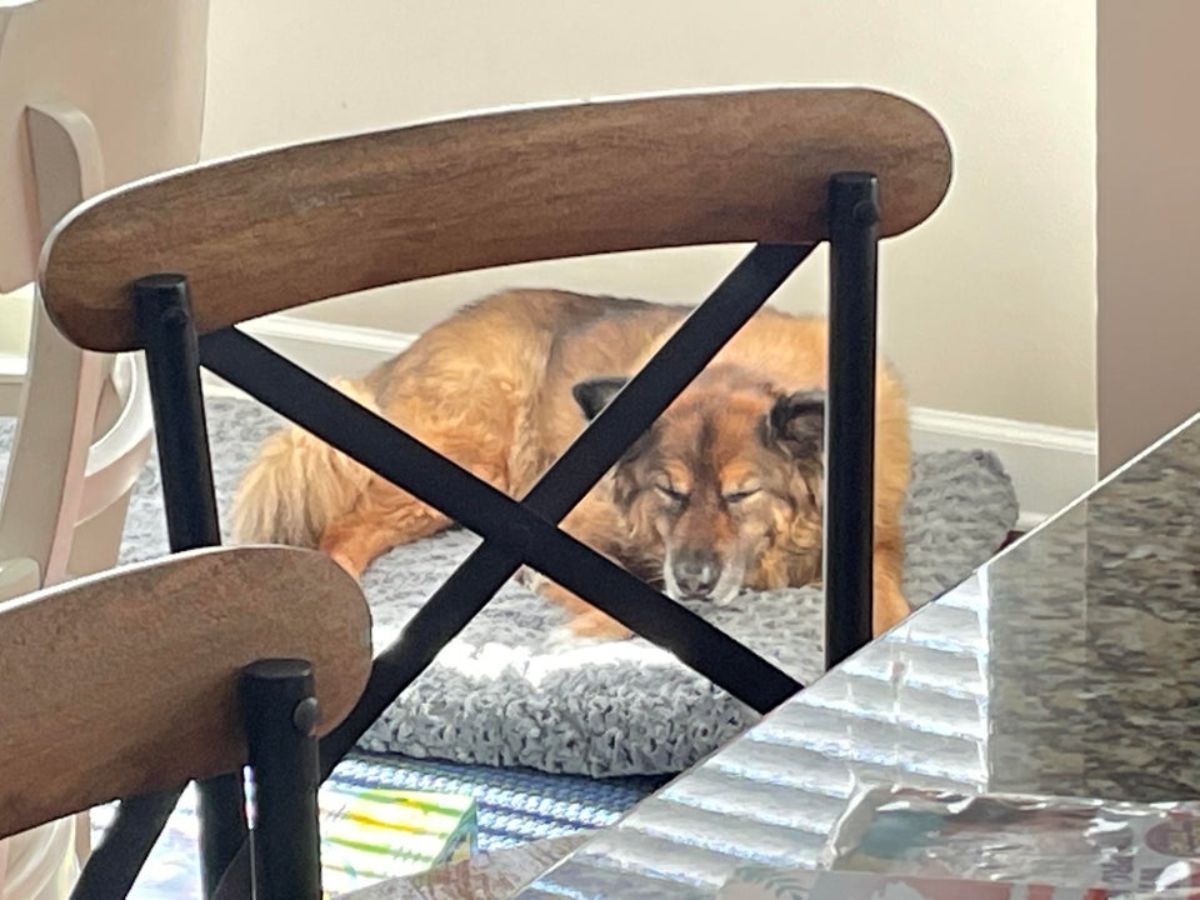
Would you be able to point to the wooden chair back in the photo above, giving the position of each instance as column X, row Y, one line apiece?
column 127, row 682
column 275, row 230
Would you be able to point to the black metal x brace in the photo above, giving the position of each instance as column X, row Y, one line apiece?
column 525, row 531
column 515, row 532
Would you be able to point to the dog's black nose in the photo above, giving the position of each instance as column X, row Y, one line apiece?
column 697, row 573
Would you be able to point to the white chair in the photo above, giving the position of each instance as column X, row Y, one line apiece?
column 84, row 423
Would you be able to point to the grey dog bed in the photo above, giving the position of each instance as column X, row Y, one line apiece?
column 515, row 689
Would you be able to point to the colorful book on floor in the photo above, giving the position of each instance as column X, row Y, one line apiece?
column 371, row 834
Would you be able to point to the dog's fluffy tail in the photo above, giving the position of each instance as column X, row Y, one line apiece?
column 297, row 486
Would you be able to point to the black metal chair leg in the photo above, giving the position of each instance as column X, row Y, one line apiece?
column 850, row 413
column 163, row 310
column 279, row 707
column 113, row 867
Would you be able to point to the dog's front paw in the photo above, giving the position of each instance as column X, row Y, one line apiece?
column 351, row 566
column 595, row 624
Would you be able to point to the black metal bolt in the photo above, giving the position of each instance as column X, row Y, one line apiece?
column 306, row 714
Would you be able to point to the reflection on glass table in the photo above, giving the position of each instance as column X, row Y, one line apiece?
column 1067, row 666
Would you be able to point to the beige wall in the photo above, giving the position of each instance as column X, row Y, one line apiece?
column 988, row 308
column 135, row 68
column 1149, row 188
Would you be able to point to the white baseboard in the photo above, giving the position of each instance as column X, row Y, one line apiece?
column 328, row 350
column 1049, row 466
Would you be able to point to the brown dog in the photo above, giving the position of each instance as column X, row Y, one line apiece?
column 722, row 493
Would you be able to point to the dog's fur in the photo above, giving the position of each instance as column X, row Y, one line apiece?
column 723, row 492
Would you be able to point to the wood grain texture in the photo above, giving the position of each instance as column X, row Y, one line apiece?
column 268, row 232
column 127, row 682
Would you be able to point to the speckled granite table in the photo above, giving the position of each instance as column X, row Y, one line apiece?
column 1069, row 665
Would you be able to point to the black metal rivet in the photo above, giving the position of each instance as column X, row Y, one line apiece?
column 306, row 714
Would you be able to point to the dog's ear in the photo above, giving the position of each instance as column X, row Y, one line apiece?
column 797, row 423
column 592, row 396
column 596, row 393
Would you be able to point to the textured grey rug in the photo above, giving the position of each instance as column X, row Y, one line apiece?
column 513, row 689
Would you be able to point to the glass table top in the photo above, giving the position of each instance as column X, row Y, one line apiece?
column 1068, row 665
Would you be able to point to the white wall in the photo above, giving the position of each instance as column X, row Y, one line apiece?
column 988, row 308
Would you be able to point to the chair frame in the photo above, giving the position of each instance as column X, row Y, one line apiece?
column 242, row 636
column 278, row 715
column 63, row 473
column 525, row 531
column 68, row 480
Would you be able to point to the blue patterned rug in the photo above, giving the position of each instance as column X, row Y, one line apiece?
column 514, row 806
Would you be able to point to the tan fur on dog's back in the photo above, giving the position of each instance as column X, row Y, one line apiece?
column 491, row 388
column 462, row 388
column 298, row 485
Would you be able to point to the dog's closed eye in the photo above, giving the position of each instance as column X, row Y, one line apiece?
column 675, row 496
column 735, row 497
